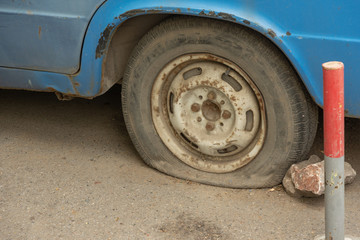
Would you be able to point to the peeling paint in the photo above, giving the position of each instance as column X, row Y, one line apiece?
column 222, row 15
column 152, row 11
column 105, row 35
column 132, row 13
column 40, row 32
column 74, row 83
column 226, row 16
column 271, row 33
column 202, row 13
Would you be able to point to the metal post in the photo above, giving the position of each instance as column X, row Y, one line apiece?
column 333, row 76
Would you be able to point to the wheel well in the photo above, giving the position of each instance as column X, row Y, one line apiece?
column 123, row 41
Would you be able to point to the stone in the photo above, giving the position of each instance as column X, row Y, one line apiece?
column 288, row 183
column 350, row 173
column 307, row 178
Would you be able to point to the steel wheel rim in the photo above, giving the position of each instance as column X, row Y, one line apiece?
column 208, row 112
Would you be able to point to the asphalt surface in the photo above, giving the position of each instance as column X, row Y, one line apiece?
column 68, row 170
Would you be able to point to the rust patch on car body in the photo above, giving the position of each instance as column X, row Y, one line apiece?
column 202, row 13
column 40, row 32
column 153, row 11
column 62, row 96
column 222, row 15
column 271, row 33
column 75, row 84
column 104, row 38
column 132, row 13
column 226, row 16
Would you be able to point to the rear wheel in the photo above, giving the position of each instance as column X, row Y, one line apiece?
column 216, row 103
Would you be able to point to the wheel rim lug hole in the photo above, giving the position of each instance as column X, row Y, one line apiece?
column 221, row 124
column 222, row 102
column 211, row 95
column 210, row 126
column 200, row 97
column 226, row 114
column 199, row 119
column 195, row 107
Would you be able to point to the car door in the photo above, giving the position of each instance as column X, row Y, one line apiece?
column 44, row 35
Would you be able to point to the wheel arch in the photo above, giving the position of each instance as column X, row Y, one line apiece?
column 107, row 30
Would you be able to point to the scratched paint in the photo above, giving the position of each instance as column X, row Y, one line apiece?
column 39, row 32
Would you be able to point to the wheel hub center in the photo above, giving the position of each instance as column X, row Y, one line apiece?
column 211, row 111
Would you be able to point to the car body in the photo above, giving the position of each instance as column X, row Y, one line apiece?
column 32, row 32
column 82, row 48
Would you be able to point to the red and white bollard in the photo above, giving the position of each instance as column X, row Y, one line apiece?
column 333, row 76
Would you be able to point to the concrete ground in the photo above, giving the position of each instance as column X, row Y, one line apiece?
column 68, row 170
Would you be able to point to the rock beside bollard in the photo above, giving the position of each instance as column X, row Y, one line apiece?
column 307, row 178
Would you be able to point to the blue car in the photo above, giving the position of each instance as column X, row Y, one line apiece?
column 219, row 92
